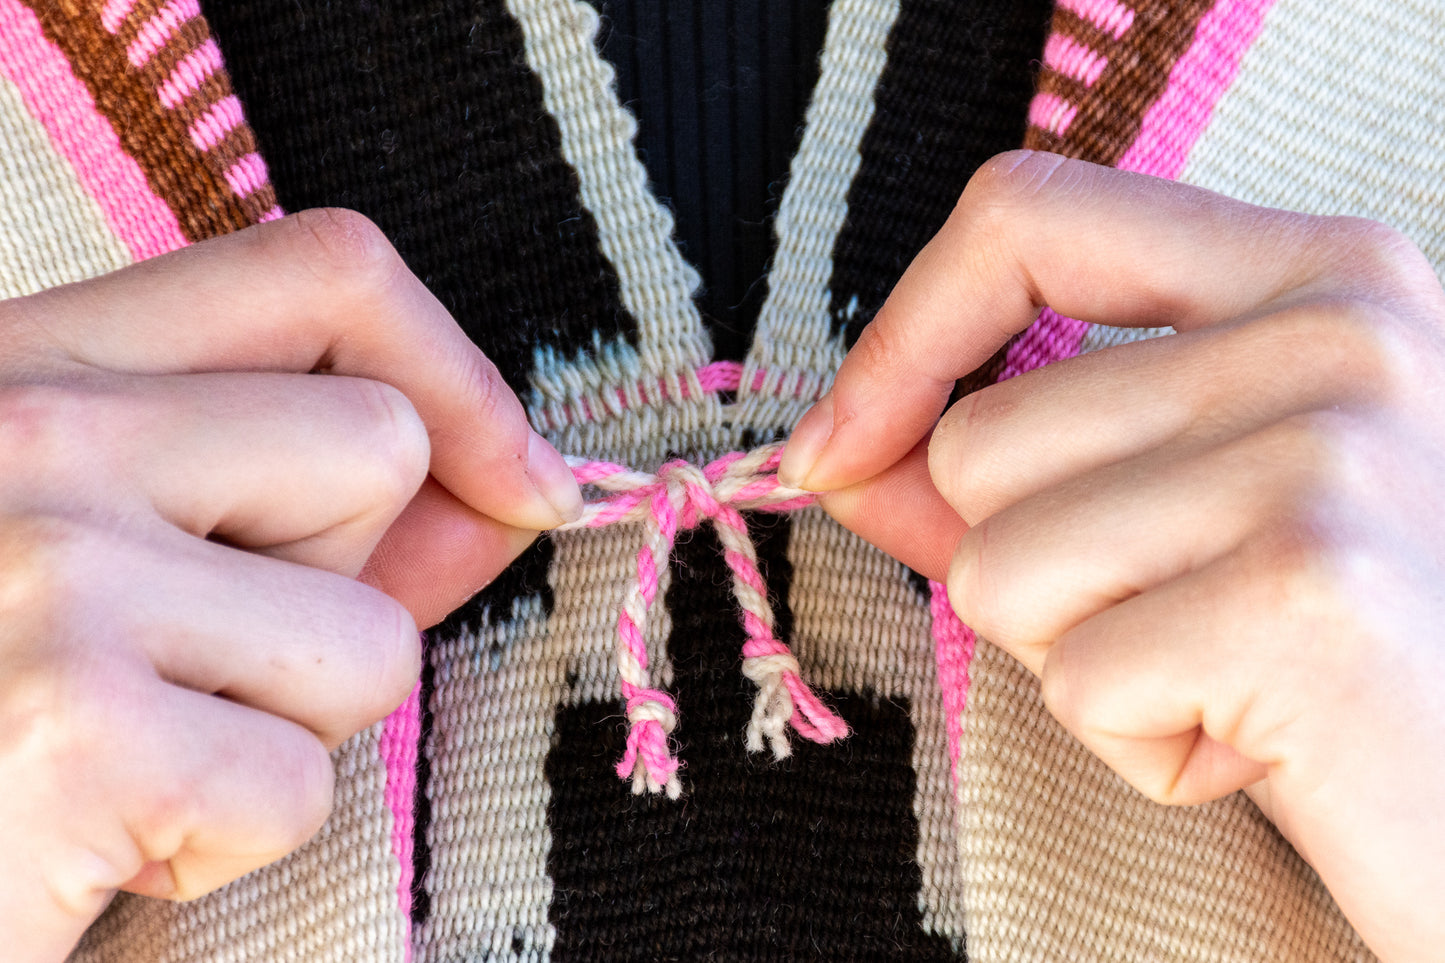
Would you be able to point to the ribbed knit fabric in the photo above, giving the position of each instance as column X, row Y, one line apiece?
column 485, row 820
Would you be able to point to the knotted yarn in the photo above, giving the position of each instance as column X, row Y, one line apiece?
column 681, row 496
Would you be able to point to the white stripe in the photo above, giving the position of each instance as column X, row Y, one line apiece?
column 794, row 333
column 634, row 230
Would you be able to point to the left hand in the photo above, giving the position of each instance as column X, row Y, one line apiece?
column 1222, row 551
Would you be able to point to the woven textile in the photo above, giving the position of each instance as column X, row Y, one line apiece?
column 485, row 819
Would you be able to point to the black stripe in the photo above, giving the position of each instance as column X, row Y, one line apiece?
column 954, row 92
column 424, row 115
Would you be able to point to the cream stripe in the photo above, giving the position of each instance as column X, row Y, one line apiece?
column 51, row 231
column 634, row 230
column 1339, row 108
column 794, row 334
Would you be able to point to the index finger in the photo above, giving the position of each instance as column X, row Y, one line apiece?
column 319, row 291
column 1034, row 230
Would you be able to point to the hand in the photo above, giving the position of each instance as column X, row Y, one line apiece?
column 202, row 453
column 1222, row 551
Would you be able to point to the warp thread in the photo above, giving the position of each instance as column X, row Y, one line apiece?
column 680, row 496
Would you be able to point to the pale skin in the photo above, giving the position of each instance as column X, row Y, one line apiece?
column 183, row 635
column 1220, row 550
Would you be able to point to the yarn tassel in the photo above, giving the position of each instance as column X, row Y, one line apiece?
column 682, row 496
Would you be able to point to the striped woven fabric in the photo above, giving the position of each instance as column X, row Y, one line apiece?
column 484, row 820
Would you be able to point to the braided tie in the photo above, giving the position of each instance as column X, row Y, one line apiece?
column 682, row 496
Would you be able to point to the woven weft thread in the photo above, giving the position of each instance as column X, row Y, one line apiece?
column 682, row 496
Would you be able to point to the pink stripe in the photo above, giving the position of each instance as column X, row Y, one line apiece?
column 189, row 74
column 274, row 214
column 1053, row 114
column 1049, row 338
column 114, row 14
column 953, row 648
column 1108, row 15
column 61, row 102
column 211, row 128
column 1073, row 59
column 154, row 33
column 247, row 176
column 400, row 735
column 1172, row 125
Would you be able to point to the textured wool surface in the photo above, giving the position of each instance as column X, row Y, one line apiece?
column 489, row 142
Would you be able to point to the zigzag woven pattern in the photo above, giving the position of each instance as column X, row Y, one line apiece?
column 681, row 496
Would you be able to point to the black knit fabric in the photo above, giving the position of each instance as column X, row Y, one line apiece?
column 719, row 90
column 809, row 859
column 955, row 92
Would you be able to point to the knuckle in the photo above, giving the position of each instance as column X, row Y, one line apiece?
column 487, row 393
column 1003, row 182
column 340, row 247
column 1383, row 257
column 42, row 569
column 1360, row 346
column 46, row 430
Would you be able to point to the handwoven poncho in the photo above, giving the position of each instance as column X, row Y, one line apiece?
column 485, row 819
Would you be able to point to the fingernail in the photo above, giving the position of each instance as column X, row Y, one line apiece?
column 806, row 444
column 553, row 479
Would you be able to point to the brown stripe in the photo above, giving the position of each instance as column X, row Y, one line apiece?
column 1112, row 111
column 188, row 180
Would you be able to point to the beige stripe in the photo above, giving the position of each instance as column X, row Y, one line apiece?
column 794, row 332
column 1339, row 109
column 634, row 230
column 51, row 232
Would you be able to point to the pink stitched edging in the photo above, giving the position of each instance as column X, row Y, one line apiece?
column 1172, row 125
column 1052, row 113
column 1073, row 59
column 195, row 69
column 61, row 102
column 211, row 128
column 400, row 736
column 157, row 31
column 248, row 175
column 954, row 643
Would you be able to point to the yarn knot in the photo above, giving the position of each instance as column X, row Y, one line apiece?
column 681, row 496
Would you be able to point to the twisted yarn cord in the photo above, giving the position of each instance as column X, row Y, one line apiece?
column 682, row 496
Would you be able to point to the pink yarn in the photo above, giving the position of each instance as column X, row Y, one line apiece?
column 400, row 734
column 682, row 496
column 157, row 31
column 953, row 649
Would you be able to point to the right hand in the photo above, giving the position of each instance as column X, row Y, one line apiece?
column 202, row 453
